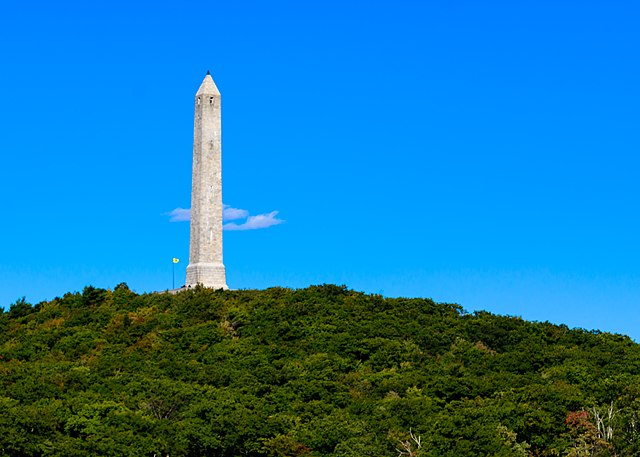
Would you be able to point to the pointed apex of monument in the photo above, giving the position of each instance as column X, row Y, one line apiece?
column 208, row 86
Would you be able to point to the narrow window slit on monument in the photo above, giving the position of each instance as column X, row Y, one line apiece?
column 210, row 100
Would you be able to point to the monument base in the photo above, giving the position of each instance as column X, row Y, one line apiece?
column 210, row 275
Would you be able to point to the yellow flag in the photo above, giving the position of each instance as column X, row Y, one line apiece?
column 176, row 260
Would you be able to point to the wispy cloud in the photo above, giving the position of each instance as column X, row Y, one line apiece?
column 256, row 222
column 179, row 215
column 229, row 213
column 233, row 214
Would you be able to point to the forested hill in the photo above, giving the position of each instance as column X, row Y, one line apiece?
column 321, row 371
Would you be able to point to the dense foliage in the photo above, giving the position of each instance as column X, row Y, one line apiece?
column 318, row 371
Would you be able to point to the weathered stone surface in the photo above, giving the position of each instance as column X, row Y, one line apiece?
column 205, row 256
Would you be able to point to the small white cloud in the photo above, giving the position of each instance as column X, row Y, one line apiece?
column 233, row 214
column 179, row 215
column 256, row 222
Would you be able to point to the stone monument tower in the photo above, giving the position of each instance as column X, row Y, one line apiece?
column 205, row 254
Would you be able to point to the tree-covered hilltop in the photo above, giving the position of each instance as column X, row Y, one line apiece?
column 321, row 371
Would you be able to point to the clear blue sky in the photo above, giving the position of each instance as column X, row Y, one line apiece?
column 483, row 153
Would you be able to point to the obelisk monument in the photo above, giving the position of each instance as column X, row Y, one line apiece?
column 205, row 254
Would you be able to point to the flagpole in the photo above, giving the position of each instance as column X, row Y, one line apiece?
column 173, row 273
